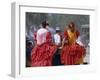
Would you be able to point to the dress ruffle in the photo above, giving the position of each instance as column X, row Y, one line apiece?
column 42, row 55
column 72, row 54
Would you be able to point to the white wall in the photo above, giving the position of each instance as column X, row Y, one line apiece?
column 5, row 38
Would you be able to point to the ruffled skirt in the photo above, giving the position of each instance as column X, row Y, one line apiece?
column 72, row 54
column 42, row 55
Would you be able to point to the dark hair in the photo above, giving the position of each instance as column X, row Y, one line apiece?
column 71, row 23
column 44, row 24
column 72, row 26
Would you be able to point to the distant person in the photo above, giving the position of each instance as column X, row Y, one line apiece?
column 29, row 46
column 57, row 37
column 57, row 42
column 35, row 36
column 87, row 56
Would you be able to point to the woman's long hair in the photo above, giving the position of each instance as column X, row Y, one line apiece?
column 71, row 26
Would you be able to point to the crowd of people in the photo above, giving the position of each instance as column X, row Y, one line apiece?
column 55, row 49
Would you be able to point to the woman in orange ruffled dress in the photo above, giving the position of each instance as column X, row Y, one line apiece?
column 72, row 53
column 44, row 50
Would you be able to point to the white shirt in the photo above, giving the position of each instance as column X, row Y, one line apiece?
column 41, row 35
column 57, row 39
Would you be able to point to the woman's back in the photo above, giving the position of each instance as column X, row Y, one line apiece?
column 41, row 36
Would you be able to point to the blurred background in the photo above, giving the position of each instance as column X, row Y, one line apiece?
column 34, row 20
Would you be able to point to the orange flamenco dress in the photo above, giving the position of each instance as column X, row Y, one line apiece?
column 72, row 53
column 42, row 54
